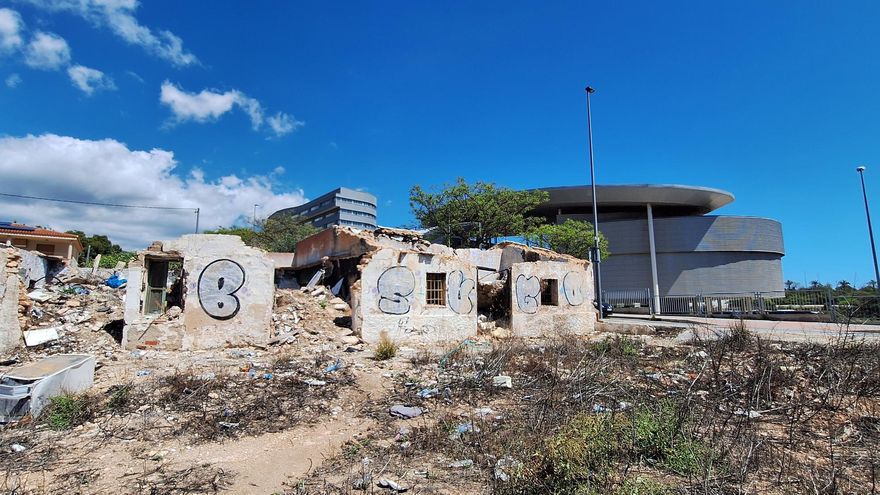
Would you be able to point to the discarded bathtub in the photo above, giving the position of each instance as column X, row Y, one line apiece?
column 28, row 388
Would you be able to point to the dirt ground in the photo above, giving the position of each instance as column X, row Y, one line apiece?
column 605, row 414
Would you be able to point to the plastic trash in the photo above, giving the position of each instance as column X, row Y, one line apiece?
column 115, row 282
column 144, row 373
column 333, row 367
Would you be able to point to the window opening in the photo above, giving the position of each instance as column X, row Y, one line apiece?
column 550, row 292
column 436, row 289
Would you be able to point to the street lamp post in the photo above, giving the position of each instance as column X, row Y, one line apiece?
column 254, row 221
column 597, row 256
column 861, row 171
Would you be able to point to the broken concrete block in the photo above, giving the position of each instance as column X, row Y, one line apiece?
column 502, row 381
column 40, row 295
column 40, row 336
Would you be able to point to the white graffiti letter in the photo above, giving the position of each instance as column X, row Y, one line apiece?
column 218, row 283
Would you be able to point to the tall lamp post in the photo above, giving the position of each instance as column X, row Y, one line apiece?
column 861, row 171
column 597, row 256
column 254, row 221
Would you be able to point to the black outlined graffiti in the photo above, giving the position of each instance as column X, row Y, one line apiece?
column 395, row 286
column 573, row 288
column 527, row 290
column 218, row 283
column 460, row 292
column 404, row 326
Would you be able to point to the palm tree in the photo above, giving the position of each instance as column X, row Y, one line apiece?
column 791, row 285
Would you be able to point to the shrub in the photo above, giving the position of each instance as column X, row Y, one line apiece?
column 67, row 411
column 386, row 349
column 642, row 486
column 617, row 346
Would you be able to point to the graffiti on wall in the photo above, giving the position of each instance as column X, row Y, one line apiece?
column 460, row 292
column 573, row 288
column 403, row 325
column 527, row 290
column 218, row 284
column 395, row 287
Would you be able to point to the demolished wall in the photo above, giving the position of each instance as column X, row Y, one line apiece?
column 228, row 294
column 11, row 303
column 392, row 296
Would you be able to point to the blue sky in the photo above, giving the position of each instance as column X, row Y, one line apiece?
column 776, row 103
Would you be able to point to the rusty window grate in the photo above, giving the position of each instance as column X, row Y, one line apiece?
column 435, row 295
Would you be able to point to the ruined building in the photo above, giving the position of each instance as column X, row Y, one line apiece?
column 207, row 291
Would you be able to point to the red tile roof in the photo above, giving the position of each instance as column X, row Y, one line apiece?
column 37, row 231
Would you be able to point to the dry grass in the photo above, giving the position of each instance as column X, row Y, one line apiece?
column 386, row 348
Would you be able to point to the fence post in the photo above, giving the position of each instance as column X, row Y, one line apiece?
column 650, row 298
column 831, row 309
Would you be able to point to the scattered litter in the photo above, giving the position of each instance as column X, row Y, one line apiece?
column 502, row 381
column 228, row 425
column 462, row 429
column 599, row 408
column 427, row 393
column 465, row 463
column 750, row 414
column 505, row 467
column 115, row 282
column 402, row 434
column 40, row 336
column 144, row 373
column 17, row 447
column 405, row 412
column 482, row 412
column 333, row 367
column 315, row 383
column 268, row 376
column 362, row 482
column 390, row 485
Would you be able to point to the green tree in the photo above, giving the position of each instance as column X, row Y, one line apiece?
column 276, row 234
column 472, row 215
column 791, row 285
column 573, row 237
column 99, row 244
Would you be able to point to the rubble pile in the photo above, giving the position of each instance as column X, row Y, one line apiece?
column 314, row 317
column 73, row 317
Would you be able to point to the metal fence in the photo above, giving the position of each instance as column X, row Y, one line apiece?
column 819, row 305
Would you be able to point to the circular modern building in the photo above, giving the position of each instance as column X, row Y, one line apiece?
column 662, row 238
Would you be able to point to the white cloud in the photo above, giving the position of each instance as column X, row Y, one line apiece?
column 282, row 124
column 118, row 16
column 13, row 81
column 201, row 107
column 107, row 171
column 10, row 30
column 208, row 105
column 47, row 51
column 89, row 80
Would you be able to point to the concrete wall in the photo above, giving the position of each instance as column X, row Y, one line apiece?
column 35, row 268
column 229, row 293
column 10, row 328
column 391, row 297
column 574, row 312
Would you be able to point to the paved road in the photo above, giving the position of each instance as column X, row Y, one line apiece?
column 796, row 331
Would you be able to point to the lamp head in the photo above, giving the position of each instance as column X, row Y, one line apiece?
column 860, row 168
column 589, row 89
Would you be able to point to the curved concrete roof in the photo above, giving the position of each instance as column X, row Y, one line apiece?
column 689, row 199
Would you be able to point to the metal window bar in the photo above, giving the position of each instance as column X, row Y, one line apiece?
column 435, row 293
